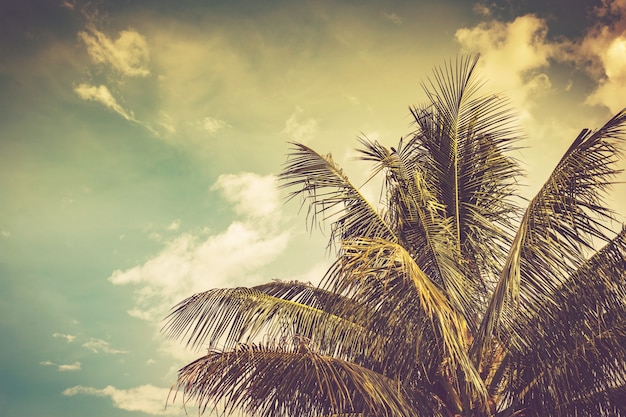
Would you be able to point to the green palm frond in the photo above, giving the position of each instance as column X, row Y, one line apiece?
column 290, row 379
column 558, row 228
column 331, row 196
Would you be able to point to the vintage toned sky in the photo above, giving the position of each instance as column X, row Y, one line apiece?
column 139, row 142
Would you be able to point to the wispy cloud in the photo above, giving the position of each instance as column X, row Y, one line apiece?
column 250, row 194
column 71, row 367
column 102, row 95
column 173, row 226
column 68, row 337
column 128, row 54
column 302, row 132
column 393, row 18
column 147, row 399
column 99, row 345
column 213, row 125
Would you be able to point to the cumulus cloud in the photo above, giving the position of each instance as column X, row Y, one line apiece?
column 519, row 46
column 611, row 91
column 102, row 95
column 99, row 345
column 302, row 132
column 251, row 194
column 148, row 399
column 128, row 54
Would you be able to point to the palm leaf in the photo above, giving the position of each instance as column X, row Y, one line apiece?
column 331, row 196
column 558, row 228
column 392, row 265
column 583, row 358
column 288, row 378
column 229, row 316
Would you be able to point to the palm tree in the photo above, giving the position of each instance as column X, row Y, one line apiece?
column 449, row 299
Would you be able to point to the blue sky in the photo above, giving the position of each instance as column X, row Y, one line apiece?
column 140, row 143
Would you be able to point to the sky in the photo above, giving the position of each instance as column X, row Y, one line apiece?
column 140, row 143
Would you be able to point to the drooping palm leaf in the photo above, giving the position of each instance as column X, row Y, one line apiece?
column 558, row 228
column 290, row 379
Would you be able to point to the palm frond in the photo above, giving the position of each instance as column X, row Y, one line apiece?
column 229, row 316
column 290, row 379
column 461, row 145
column 559, row 227
column 416, row 216
column 390, row 264
column 572, row 347
column 331, row 196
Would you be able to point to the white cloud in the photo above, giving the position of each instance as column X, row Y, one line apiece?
column 69, row 367
column 128, row 54
column 252, row 195
column 148, row 399
column 190, row 264
column 47, row 363
column 519, row 46
column 297, row 131
column 99, row 345
column 102, row 95
column 68, row 337
column 611, row 91
column 213, row 125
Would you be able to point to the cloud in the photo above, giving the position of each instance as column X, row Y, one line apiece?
column 69, row 367
column 297, row 131
column 175, row 225
column 611, row 91
column 102, row 95
column 128, row 54
column 5, row 233
column 148, row 399
column 393, row 18
column 192, row 263
column 252, row 195
column 68, row 337
column 520, row 46
column 99, row 345
column 76, row 366
column 213, row 125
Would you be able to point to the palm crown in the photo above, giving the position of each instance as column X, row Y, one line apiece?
column 450, row 300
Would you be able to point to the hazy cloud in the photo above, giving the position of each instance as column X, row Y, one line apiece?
column 250, row 194
column 213, row 125
column 302, row 132
column 99, row 345
column 393, row 18
column 128, row 54
column 147, row 399
column 175, row 225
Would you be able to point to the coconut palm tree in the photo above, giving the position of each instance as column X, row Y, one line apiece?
column 452, row 296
